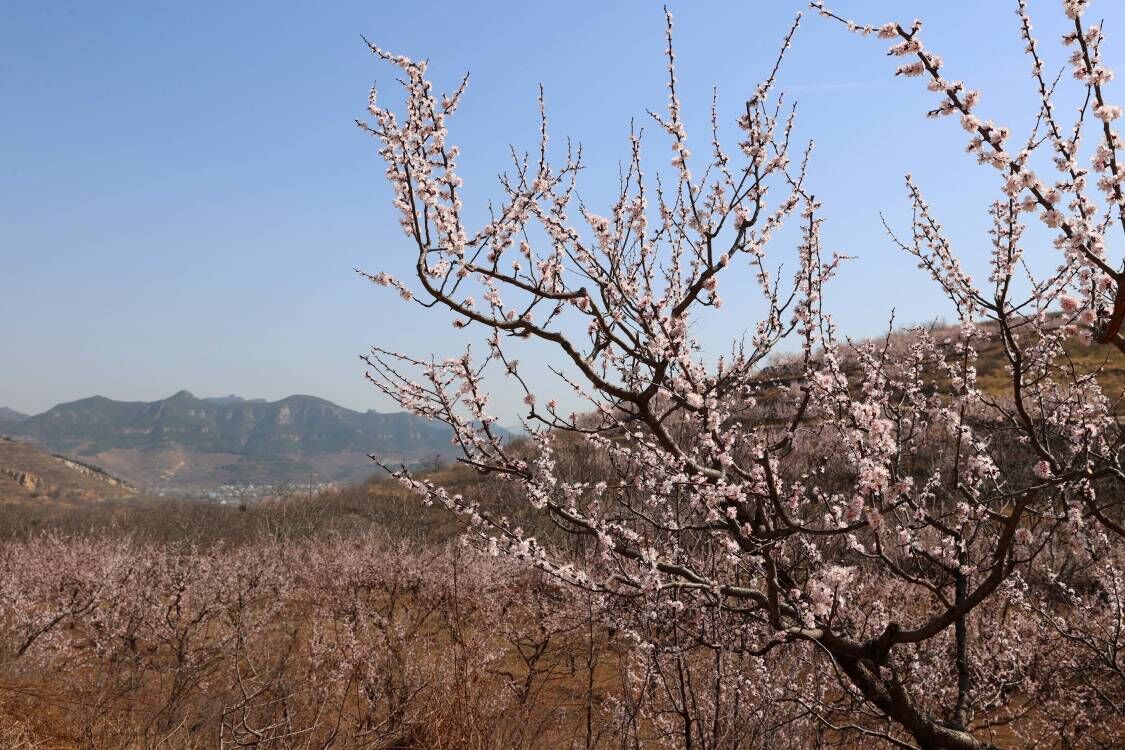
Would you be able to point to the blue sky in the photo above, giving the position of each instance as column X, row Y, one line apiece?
column 184, row 193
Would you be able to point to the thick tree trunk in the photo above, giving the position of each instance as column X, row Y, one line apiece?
column 893, row 700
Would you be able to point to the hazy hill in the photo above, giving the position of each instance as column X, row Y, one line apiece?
column 233, row 399
column 28, row 473
column 10, row 415
column 187, row 442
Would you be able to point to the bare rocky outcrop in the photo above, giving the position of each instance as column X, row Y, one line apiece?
column 26, row 479
column 92, row 472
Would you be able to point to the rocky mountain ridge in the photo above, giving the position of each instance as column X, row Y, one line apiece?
column 191, row 443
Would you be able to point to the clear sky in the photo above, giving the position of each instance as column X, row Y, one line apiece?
column 183, row 193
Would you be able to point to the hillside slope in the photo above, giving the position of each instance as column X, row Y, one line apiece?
column 10, row 415
column 28, row 473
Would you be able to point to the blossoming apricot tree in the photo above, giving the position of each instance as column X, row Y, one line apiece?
column 945, row 558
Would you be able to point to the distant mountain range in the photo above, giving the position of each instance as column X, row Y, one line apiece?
column 184, row 442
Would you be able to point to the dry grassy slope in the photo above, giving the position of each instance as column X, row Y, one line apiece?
column 28, row 473
column 994, row 378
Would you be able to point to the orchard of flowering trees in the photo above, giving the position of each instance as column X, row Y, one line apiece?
column 849, row 543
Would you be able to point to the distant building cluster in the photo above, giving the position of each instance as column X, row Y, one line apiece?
column 235, row 494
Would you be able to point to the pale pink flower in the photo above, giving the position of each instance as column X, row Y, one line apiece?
column 1107, row 112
